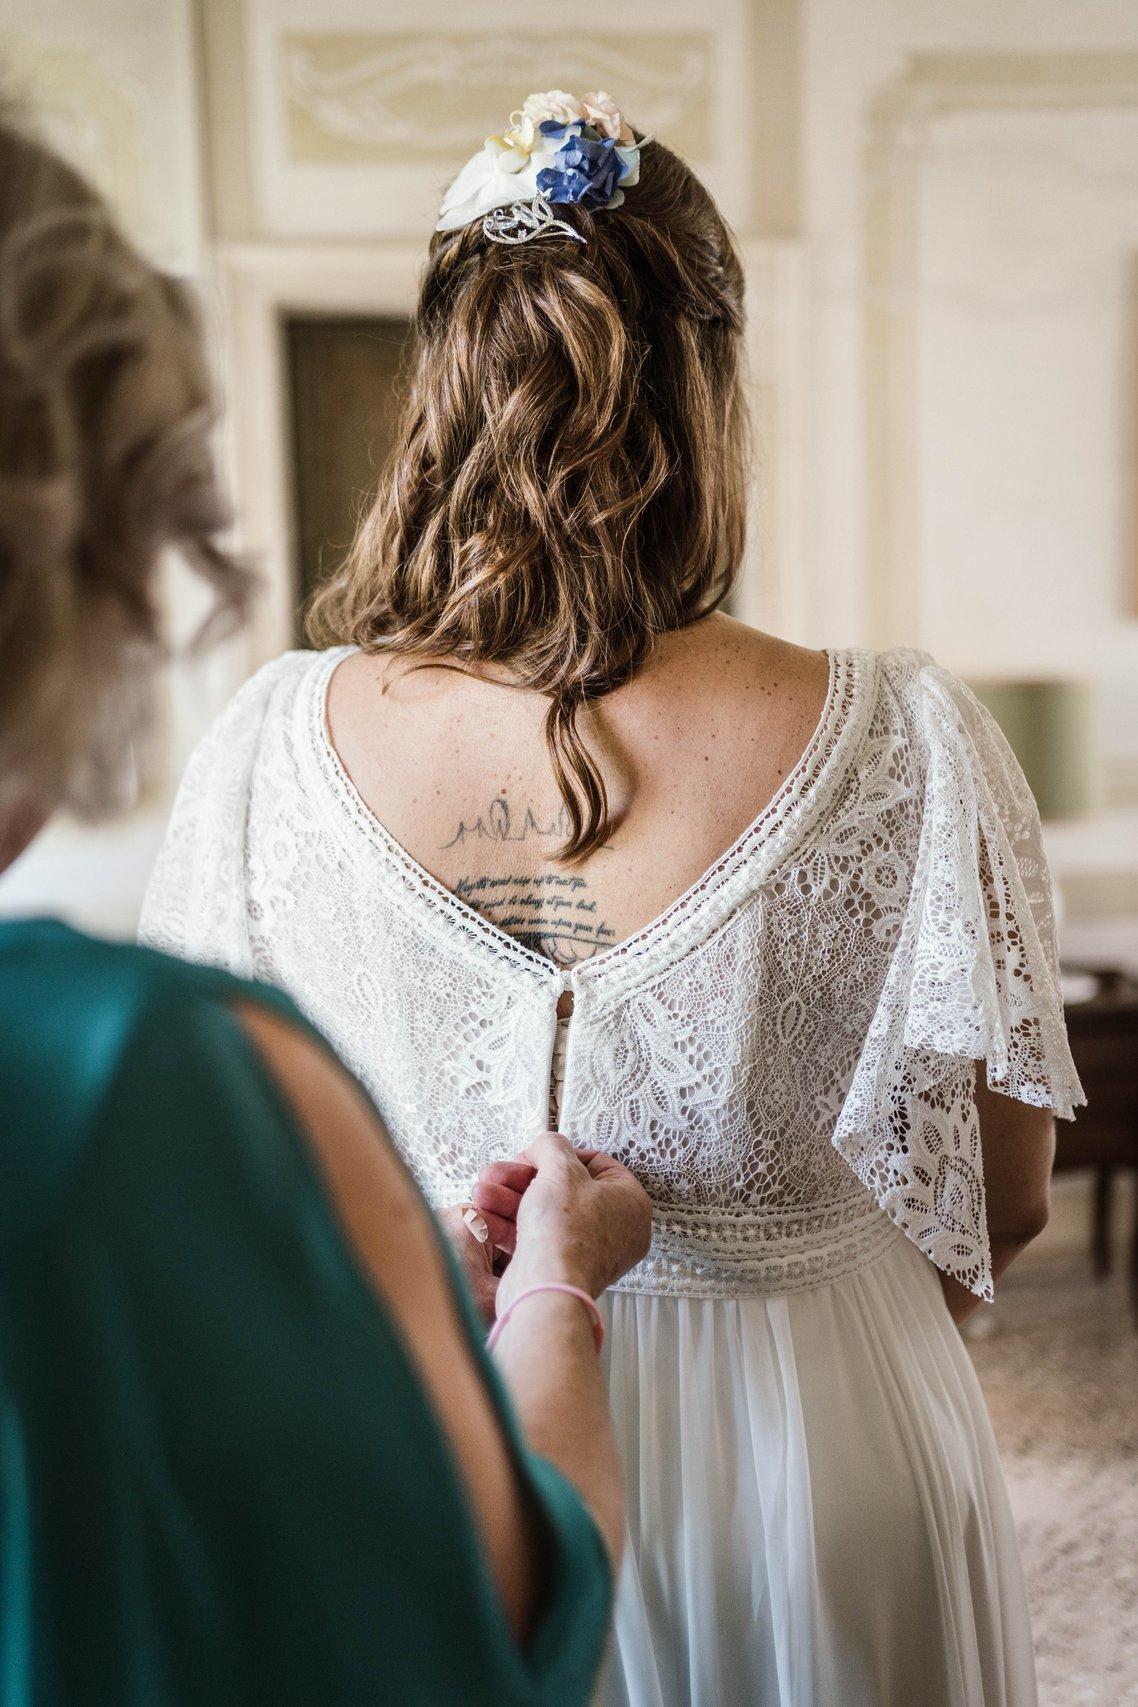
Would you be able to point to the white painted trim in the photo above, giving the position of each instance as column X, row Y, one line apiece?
column 773, row 592
column 260, row 285
column 933, row 89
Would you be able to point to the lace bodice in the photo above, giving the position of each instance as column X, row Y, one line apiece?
column 785, row 1057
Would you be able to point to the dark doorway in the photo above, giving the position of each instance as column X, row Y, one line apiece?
column 343, row 392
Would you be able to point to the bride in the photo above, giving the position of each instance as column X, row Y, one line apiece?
column 544, row 838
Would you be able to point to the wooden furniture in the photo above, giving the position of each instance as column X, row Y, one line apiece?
column 1104, row 1135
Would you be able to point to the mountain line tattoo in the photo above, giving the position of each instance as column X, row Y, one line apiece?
column 549, row 912
column 499, row 824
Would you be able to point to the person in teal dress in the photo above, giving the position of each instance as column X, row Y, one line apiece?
column 252, row 1447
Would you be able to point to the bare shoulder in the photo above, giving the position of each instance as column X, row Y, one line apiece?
column 375, row 711
column 728, row 672
column 757, row 660
column 359, row 688
column 363, row 678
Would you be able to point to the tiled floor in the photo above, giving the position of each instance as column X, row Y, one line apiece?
column 1058, row 1360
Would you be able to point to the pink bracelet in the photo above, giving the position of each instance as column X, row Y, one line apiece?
column 549, row 1286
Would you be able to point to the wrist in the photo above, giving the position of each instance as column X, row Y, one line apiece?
column 551, row 1310
column 547, row 1270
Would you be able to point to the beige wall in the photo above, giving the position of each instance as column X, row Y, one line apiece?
column 938, row 206
column 970, row 211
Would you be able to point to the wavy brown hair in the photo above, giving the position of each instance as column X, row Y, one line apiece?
column 106, row 460
column 569, row 471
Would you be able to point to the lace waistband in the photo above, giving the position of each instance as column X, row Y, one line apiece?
column 719, row 1253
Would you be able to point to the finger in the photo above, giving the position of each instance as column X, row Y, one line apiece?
column 496, row 1200
column 503, row 1233
column 514, row 1175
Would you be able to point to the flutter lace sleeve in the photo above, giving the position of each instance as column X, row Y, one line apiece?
column 973, row 978
column 195, row 904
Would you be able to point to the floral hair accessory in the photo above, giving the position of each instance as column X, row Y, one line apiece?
column 557, row 150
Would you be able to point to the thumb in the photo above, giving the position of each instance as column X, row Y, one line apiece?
column 602, row 1166
column 549, row 1149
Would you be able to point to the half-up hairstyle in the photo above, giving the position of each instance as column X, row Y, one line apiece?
column 569, row 472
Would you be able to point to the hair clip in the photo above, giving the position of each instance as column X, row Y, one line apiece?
column 556, row 149
column 522, row 222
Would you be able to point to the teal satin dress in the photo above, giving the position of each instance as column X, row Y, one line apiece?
column 220, row 1478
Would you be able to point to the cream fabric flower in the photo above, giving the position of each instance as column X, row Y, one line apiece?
column 555, row 104
column 523, row 133
column 503, row 171
column 507, row 153
column 494, row 177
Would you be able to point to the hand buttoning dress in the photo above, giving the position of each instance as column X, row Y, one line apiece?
column 787, row 1058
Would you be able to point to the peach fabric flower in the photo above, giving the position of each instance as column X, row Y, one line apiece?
column 602, row 112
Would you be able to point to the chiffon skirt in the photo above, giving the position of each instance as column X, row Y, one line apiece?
column 816, row 1511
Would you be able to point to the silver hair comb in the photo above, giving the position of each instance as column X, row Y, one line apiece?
column 521, row 222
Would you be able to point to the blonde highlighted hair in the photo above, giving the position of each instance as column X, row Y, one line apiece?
column 569, row 473
column 105, row 460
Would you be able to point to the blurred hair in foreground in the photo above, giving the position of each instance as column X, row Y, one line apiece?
column 106, row 460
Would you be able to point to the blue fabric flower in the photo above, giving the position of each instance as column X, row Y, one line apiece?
column 588, row 168
column 561, row 129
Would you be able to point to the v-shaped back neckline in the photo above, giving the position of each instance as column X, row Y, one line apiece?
column 692, row 915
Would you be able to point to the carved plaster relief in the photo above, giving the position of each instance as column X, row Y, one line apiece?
column 354, row 132
column 370, row 97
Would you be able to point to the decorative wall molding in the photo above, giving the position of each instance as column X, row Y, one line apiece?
column 353, row 132
column 355, row 97
column 259, row 285
column 935, row 92
column 329, row 120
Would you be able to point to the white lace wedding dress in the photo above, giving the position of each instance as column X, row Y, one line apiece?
column 786, row 1057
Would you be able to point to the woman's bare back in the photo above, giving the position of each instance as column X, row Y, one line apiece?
column 692, row 749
